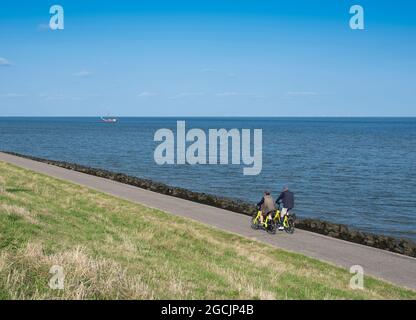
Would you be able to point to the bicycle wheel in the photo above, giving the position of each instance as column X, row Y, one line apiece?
column 290, row 225
column 254, row 223
column 271, row 227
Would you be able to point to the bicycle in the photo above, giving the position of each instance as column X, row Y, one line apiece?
column 288, row 222
column 269, row 224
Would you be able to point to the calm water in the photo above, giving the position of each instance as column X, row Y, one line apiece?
column 361, row 172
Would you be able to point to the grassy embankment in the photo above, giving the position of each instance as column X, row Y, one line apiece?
column 111, row 248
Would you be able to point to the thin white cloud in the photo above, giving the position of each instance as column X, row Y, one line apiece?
column 229, row 94
column 187, row 94
column 43, row 27
column 52, row 97
column 302, row 93
column 55, row 97
column 4, row 62
column 238, row 94
column 83, row 74
column 12, row 95
column 59, row 96
column 147, row 94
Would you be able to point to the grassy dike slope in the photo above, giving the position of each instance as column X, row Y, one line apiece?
column 111, row 248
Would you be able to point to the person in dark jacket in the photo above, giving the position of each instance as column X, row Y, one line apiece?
column 266, row 205
column 287, row 198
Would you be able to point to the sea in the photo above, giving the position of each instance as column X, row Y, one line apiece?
column 356, row 171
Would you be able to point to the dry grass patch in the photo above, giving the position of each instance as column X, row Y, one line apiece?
column 14, row 210
column 85, row 277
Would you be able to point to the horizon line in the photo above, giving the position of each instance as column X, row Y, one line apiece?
column 205, row 116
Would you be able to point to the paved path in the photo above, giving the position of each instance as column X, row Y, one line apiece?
column 382, row 264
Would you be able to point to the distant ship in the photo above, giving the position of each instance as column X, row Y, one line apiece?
column 109, row 119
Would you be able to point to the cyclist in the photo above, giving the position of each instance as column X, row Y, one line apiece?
column 288, row 200
column 266, row 205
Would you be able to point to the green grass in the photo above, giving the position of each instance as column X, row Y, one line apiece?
column 111, row 248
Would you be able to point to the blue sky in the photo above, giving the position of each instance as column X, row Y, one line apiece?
column 208, row 58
